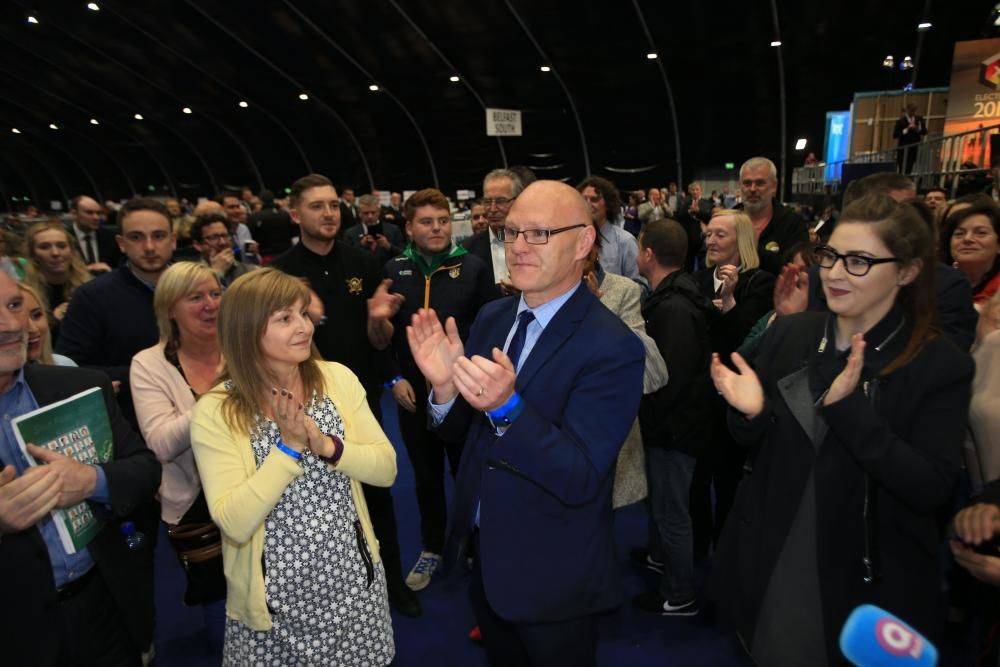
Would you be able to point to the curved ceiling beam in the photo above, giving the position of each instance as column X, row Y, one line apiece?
column 325, row 35
column 219, row 82
column 31, row 186
column 288, row 77
column 464, row 80
column 40, row 158
column 100, row 146
column 562, row 84
column 168, row 126
column 781, row 92
column 89, row 114
column 666, row 84
column 40, row 136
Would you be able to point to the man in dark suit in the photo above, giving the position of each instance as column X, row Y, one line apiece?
column 93, row 607
column 500, row 188
column 96, row 244
column 909, row 130
column 383, row 241
column 693, row 213
column 348, row 209
column 543, row 422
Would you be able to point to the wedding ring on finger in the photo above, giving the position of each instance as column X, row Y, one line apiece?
column 482, row 390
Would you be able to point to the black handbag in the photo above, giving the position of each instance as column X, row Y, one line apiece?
column 199, row 549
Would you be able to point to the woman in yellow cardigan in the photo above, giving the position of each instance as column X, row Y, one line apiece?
column 282, row 445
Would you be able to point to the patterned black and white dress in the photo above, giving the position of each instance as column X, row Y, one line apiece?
column 327, row 597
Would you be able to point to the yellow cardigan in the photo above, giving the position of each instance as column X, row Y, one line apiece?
column 240, row 495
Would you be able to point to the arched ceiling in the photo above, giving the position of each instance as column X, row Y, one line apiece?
column 603, row 105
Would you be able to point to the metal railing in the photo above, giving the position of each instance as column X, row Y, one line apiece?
column 942, row 161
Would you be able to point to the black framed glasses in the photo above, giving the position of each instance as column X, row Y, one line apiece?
column 856, row 265
column 499, row 202
column 532, row 236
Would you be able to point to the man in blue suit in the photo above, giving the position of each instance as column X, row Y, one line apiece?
column 543, row 393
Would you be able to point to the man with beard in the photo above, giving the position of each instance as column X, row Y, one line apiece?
column 778, row 228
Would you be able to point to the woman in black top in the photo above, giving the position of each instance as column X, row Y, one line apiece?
column 855, row 419
column 742, row 294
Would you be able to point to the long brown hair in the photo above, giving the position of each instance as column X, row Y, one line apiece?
column 246, row 307
column 33, row 276
column 902, row 229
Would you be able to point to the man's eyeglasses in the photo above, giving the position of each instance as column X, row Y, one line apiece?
column 499, row 202
column 593, row 199
column 212, row 238
column 856, row 265
column 532, row 236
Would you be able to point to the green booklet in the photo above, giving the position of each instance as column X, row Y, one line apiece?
column 77, row 427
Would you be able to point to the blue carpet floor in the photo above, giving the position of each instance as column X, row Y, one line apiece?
column 192, row 636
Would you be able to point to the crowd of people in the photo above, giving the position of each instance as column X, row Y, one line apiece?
column 802, row 401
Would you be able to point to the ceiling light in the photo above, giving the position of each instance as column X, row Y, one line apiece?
column 138, row 116
column 93, row 121
column 53, row 126
column 243, row 104
column 186, row 109
column 93, row 6
column 545, row 68
column 15, row 130
column 373, row 88
column 651, row 56
column 303, row 97
column 889, row 62
column 926, row 25
column 907, row 63
column 32, row 19
column 453, row 79
column 800, row 145
column 776, row 42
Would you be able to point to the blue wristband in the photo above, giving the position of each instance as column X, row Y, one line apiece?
column 288, row 450
column 393, row 382
column 502, row 411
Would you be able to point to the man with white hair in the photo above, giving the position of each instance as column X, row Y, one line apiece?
column 778, row 228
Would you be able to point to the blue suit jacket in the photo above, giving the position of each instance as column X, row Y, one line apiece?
column 545, row 485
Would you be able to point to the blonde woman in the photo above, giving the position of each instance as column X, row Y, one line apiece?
column 166, row 380
column 55, row 269
column 39, row 340
column 742, row 293
column 283, row 445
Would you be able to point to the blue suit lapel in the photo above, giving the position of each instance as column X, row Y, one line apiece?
column 562, row 326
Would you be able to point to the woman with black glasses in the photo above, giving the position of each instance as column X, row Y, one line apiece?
column 855, row 421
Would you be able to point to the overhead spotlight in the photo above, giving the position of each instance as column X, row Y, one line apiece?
column 15, row 130
column 53, row 126
column 93, row 121
column 93, row 6
column 651, row 56
column 303, row 97
column 800, row 145
column 373, row 88
column 138, row 116
column 545, row 68
column 923, row 27
column 776, row 42
column 889, row 62
column 453, row 79
column 32, row 19
column 907, row 63
column 186, row 110
column 243, row 104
